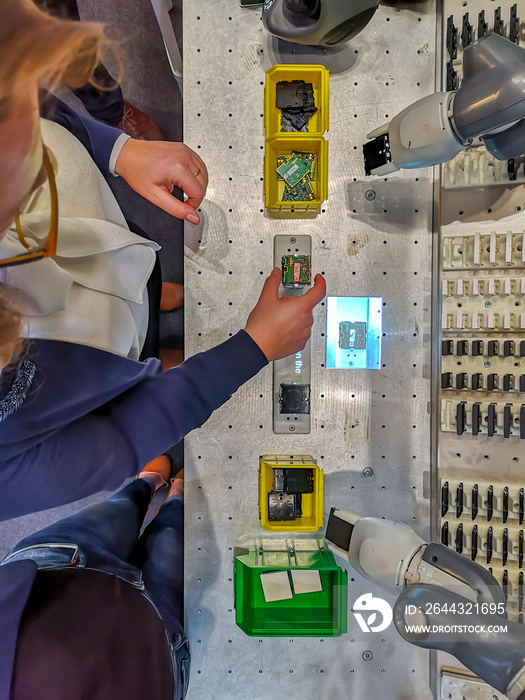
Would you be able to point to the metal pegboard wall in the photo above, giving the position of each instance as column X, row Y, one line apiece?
column 379, row 245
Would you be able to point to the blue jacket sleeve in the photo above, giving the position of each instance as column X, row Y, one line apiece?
column 97, row 138
column 98, row 452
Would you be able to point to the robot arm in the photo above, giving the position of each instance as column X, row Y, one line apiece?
column 490, row 104
column 391, row 555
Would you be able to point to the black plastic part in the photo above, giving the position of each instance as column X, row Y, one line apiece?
column 490, row 544
column 478, row 578
column 520, row 550
column 512, row 169
column 508, row 382
column 490, row 503
column 462, row 348
column 444, row 534
column 338, row 531
column 446, row 380
column 444, row 499
column 499, row 24
column 522, row 422
column 475, row 506
column 461, row 380
column 459, row 500
column 505, row 516
column 452, row 77
column 482, row 25
column 492, row 418
column 452, row 38
column 467, row 32
column 520, row 591
column 522, row 348
column 505, row 585
column 459, row 539
column 522, row 383
column 521, row 506
column 294, row 398
column 505, row 547
column 477, row 381
column 376, row 153
column 474, row 543
column 477, row 348
column 492, row 382
column 514, row 25
column 507, row 420
column 476, row 418
column 447, row 347
column 493, row 348
column 299, row 480
column 508, row 348
column 461, row 417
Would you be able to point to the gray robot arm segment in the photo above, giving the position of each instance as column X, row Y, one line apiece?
column 497, row 658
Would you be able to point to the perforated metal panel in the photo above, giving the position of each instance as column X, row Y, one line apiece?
column 375, row 246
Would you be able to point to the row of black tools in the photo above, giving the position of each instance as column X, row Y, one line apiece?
column 491, row 419
column 489, row 552
column 509, row 382
column 489, row 514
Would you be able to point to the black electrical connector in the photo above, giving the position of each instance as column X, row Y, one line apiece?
column 459, row 539
column 476, row 418
column 505, row 508
column 508, row 382
column 376, row 153
column 499, row 24
column 447, row 348
column 461, row 380
column 461, row 417
column 514, row 25
column 474, row 543
column 482, row 25
column 452, row 38
column 452, row 77
column 491, row 419
column 512, row 169
column 459, row 500
column 444, row 498
column 508, row 348
column 446, row 380
column 490, row 544
column 477, row 381
column 490, row 503
column 477, row 348
column 475, row 498
column 492, row 382
column 493, row 348
column 467, row 32
column 444, row 534
column 462, row 348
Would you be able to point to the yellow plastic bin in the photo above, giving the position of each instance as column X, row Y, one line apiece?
column 312, row 503
column 274, row 188
column 317, row 75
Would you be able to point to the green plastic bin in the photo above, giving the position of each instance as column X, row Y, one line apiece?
column 319, row 614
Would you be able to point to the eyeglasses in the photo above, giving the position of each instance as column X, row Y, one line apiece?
column 48, row 248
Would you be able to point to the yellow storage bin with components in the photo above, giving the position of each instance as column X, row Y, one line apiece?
column 290, row 493
column 294, row 140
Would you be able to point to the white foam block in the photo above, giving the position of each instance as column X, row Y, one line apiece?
column 306, row 581
column 276, row 586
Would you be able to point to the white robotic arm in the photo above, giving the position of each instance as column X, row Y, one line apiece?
column 490, row 104
column 429, row 574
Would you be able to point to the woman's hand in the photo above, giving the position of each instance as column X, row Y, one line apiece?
column 152, row 168
column 281, row 327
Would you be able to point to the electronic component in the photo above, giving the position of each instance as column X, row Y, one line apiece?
column 352, row 335
column 477, row 348
column 294, row 397
column 296, row 271
column 296, row 100
column 285, row 501
column 292, row 171
column 447, row 348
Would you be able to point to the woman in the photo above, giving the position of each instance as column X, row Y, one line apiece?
column 79, row 411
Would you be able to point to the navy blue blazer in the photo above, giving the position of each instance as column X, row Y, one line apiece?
column 76, row 420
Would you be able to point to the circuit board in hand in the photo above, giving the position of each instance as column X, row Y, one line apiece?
column 296, row 271
column 352, row 335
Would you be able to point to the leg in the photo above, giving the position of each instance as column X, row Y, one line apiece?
column 160, row 555
column 112, row 526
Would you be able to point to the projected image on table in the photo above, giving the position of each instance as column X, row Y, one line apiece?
column 354, row 332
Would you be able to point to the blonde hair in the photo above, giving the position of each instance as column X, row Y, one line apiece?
column 37, row 49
